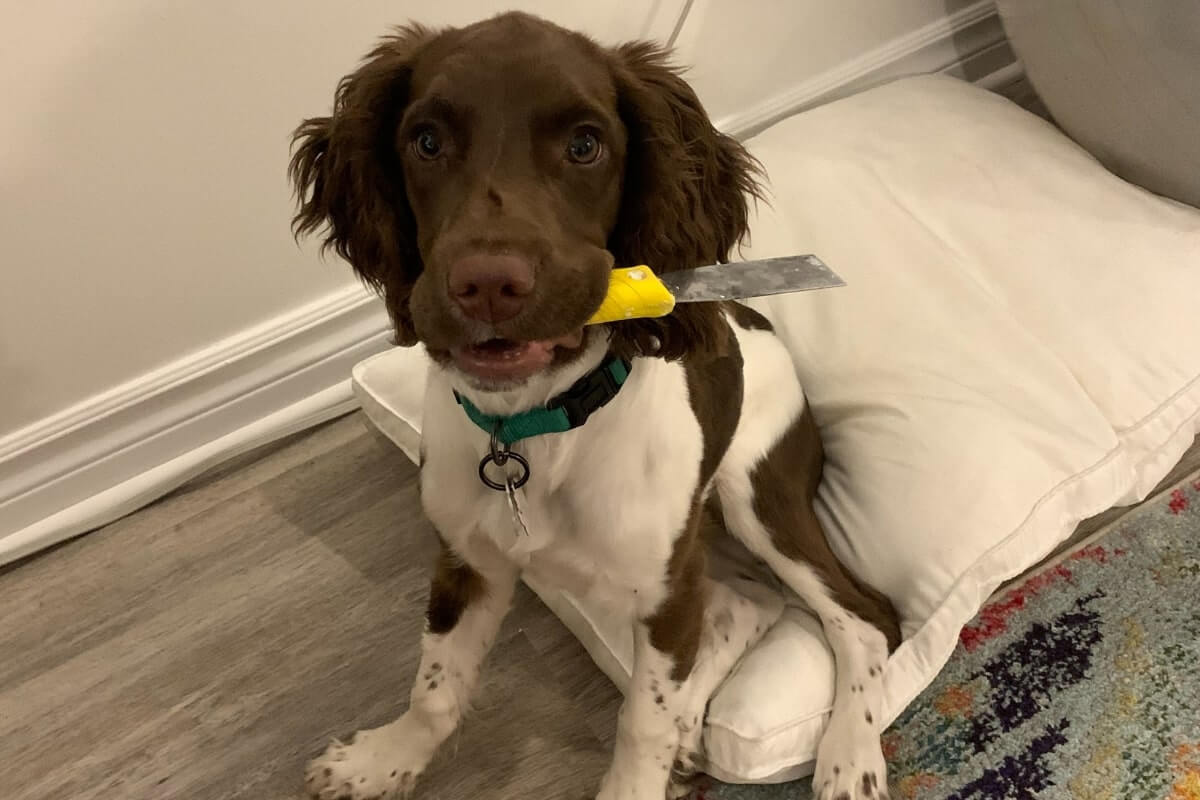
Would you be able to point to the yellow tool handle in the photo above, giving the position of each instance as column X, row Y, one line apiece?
column 633, row 293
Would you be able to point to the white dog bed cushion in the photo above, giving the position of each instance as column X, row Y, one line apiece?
column 1016, row 351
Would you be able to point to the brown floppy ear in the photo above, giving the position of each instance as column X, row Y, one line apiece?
column 349, row 180
column 685, row 196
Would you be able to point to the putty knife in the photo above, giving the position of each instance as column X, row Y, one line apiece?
column 636, row 292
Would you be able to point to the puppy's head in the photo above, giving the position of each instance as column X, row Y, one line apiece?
column 486, row 180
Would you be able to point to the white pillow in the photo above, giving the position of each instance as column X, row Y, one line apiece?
column 1016, row 351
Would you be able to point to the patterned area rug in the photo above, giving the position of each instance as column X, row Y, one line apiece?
column 1081, row 683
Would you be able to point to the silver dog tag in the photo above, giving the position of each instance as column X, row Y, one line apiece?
column 514, row 505
column 523, row 545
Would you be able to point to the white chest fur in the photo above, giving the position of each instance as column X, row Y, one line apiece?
column 604, row 502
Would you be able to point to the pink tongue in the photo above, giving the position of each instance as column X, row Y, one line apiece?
column 513, row 360
column 504, row 349
column 501, row 350
column 506, row 360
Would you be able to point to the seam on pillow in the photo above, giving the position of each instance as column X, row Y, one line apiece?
column 1149, row 418
column 1190, row 421
column 1112, row 455
column 792, row 723
column 1108, row 458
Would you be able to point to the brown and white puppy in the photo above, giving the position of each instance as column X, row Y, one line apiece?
column 485, row 180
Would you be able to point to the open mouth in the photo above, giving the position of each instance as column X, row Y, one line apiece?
column 507, row 360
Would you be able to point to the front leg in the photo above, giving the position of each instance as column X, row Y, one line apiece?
column 466, row 607
column 733, row 623
column 659, row 702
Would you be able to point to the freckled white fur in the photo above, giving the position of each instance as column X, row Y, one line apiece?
column 734, row 621
column 385, row 761
column 603, row 506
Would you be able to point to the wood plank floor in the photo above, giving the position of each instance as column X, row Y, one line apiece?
column 206, row 646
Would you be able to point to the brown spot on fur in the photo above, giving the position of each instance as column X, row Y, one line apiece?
column 454, row 587
column 340, row 173
column 867, row 789
column 667, row 220
column 747, row 318
column 715, row 394
column 714, row 381
column 796, row 461
column 676, row 625
column 870, row 719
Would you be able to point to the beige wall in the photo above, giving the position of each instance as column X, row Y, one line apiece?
column 144, row 206
column 143, row 144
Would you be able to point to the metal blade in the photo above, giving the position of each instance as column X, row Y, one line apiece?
column 750, row 279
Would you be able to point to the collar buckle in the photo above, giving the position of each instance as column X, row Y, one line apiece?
column 586, row 397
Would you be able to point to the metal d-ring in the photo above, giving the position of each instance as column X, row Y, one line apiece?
column 500, row 455
column 516, row 483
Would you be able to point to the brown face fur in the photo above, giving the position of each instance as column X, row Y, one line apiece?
column 505, row 179
column 446, row 145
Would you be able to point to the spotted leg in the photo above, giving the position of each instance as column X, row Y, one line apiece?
column 733, row 623
column 466, row 607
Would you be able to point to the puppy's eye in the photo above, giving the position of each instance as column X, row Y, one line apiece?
column 583, row 148
column 427, row 144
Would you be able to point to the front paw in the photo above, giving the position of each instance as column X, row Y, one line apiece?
column 689, row 761
column 646, row 779
column 850, row 769
column 374, row 766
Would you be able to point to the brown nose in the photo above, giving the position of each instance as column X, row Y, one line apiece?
column 491, row 288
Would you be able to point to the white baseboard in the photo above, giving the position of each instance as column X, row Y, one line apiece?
column 115, row 501
column 115, row 452
column 948, row 45
column 55, row 474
